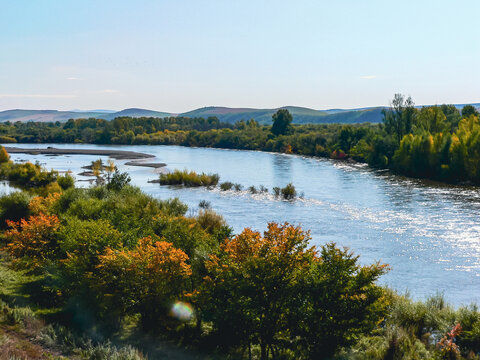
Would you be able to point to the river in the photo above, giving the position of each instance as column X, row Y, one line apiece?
column 428, row 233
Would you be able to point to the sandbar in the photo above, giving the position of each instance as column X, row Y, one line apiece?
column 115, row 154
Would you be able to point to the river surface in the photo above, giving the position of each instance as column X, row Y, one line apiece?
column 428, row 233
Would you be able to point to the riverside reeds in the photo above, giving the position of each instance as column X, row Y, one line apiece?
column 189, row 179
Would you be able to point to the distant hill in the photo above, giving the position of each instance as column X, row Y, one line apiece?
column 62, row 116
column 136, row 113
column 301, row 115
column 46, row 115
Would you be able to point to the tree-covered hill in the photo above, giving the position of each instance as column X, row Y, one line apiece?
column 301, row 115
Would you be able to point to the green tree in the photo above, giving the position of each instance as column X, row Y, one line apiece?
column 400, row 117
column 276, row 292
column 431, row 119
column 282, row 122
column 341, row 301
column 118, row 180
column 252, row 286
column 469, row 110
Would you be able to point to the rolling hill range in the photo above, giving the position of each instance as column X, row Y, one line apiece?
column 301, row 115
column 62, row 116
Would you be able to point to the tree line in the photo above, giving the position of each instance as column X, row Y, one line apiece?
column 435, row 142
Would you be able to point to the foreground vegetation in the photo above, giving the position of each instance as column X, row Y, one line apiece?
column 110, row 259
column 436, row 142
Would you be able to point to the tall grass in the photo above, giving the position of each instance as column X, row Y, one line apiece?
column 29, row 337
column 227, row 185
column 189, row 179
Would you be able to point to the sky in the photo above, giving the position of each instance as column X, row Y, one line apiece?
column 179, row 55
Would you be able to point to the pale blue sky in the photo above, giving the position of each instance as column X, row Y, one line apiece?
column 182, row 54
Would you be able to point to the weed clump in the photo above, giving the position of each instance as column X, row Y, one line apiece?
column 189, row 179
column 227, row 185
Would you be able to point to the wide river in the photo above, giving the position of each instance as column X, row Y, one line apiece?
column 428, row 233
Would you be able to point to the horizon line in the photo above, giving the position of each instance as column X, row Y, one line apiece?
column 229, row 107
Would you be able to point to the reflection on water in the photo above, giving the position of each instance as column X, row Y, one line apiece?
column 282, row 169
column 429, row 233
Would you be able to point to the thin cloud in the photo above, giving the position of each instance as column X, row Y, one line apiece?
column 106, row 91
column 38, row 96
column 368, row 77
column 72, row 78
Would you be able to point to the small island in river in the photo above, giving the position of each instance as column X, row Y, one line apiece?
column 115, row 154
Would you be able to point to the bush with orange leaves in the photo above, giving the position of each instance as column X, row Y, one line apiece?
column 34, row 241
column 277, row 292
column 40, row 204
column 146, row 280
column 448, row 348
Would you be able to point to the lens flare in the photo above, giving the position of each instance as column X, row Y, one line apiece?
column 182, row 311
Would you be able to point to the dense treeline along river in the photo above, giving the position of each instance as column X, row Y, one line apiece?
column 429, row 233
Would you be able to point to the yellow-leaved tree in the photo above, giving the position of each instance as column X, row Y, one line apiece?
column 146, row 280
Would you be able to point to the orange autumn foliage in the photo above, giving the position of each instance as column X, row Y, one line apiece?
column 40, row 204
column 280, row 243
column 4, row 157
column 33, row 240
column 144, row 280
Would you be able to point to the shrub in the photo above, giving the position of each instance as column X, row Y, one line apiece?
column 227, row 185
column 33, row 241
column 4, row 157
column 252, row 189
column 238, row 187
column 83, row 240
column 189, row 179
column 146, row 280
column 66, row 181
column 45, row 205
column 14, row 206
column 276, row 191
column 204, row 204
column 27, row 175
column 118, row 181
column 289, row 192
column 210, row 221
column 173, row 207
